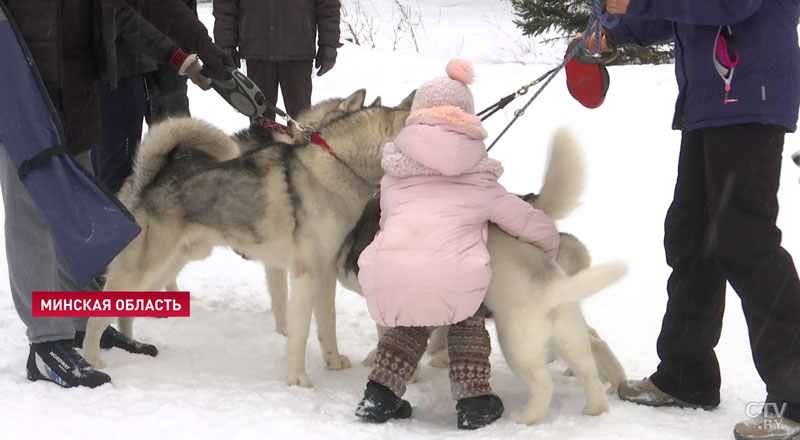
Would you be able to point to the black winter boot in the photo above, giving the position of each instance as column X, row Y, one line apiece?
column 381, row 404
column 113, row 338
column 477, row 412
column 57, row 361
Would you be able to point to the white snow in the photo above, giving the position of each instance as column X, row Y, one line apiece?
column 219, row 373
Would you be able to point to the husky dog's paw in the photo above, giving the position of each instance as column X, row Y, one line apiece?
column 595, row 408
column 94, row 360
column 612, row 390
column 337, row 362
column 281, row 329
column 415, row 375
column 440, row 360
column 370, row 359
column 299, row 379
column 524, row 417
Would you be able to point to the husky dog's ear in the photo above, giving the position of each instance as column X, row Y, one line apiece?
column 353, row 102
column 376, row 102
column 406, row 103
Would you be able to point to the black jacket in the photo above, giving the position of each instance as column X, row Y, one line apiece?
column 73, row 45
column 277, row 30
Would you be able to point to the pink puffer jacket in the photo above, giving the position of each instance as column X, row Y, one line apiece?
column 429, row 264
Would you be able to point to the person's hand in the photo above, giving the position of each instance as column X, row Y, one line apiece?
column 187, row 65
column 214, row 61
column 617, row 6
column 234, row 54
column 325, row 59
column 192, row 69
column 591, row 43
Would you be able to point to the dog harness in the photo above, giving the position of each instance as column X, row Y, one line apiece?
column 314, row 137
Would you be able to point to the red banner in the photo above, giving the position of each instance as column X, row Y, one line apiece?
column 110, row 304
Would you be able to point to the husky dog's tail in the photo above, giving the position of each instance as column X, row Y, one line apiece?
column 565, row 176
column 574, row 288
column 178, row 133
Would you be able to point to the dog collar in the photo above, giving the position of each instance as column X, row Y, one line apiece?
column 317, row 139
column 271, row 125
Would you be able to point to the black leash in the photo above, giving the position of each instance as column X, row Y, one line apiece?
column 503, row 102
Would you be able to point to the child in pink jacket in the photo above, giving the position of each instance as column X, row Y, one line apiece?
column 429, row 266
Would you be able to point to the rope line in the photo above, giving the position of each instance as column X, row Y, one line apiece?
column 598, row 20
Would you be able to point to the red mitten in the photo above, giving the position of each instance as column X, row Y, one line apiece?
column 587, row 83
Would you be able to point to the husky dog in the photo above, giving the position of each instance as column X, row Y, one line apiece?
column 284, row 205
column 796, row 158
column 535, row 300
column 255, row 137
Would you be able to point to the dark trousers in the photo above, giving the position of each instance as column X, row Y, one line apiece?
column 294, row 78
column 122, row 113
column 166, row 94
column 721, row 227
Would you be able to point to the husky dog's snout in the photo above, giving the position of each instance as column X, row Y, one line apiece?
column 796, row 158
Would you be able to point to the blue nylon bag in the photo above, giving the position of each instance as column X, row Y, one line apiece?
column 89, row 225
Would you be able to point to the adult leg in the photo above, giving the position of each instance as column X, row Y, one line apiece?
column 122, row 113
column 295, row 81
column 265, row 75
column 691, row 327
column 747, row 244
column 34, row 263
column 166, row 94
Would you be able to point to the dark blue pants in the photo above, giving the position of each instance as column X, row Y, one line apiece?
column 721, row 228
column 122, row 114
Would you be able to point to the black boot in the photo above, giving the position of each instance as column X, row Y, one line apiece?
column 113, row 338
column 477, row 412
column 57, row 361
column 381, row 404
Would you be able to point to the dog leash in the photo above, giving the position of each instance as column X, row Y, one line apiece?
column 597, row 21
column 503, row 102
column 314, row 137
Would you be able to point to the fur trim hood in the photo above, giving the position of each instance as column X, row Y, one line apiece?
column 439, row 141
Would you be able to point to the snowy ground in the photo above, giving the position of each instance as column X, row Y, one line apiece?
column 220, row 372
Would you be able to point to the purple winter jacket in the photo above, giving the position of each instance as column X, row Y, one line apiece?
column 429, row 264
column 766, row 80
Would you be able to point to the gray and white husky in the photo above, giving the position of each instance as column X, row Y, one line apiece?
column 535, row 300
column 287, row 206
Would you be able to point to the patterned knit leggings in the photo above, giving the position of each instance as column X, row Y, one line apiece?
column 468, row 344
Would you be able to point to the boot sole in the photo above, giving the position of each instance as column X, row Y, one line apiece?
column 673, row 402
column 738, row 436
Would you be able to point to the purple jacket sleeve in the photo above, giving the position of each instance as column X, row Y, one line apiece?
column 641, row 32
column 518, row 218
column 699, row 12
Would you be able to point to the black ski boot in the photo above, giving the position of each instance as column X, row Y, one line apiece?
column 381, row 404
column 57, row 361
column 113, row 338
column 477, row 412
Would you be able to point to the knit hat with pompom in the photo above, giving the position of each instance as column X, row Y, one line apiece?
column 448, row 90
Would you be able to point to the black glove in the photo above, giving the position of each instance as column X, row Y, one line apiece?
column 325, row 59
column 214, row 61
column 234, row 54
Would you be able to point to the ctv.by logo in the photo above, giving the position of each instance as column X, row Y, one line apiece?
column 756, row 409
